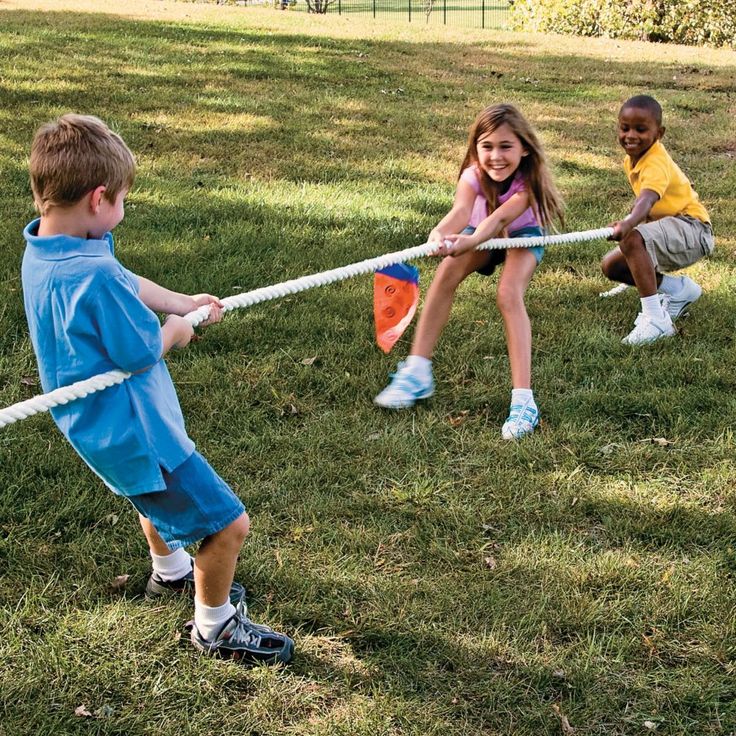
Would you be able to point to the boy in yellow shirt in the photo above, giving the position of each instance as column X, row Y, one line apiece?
column 667, row 228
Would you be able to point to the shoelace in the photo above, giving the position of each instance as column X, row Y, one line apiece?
column 403, row 379
column 522, row 413
column 242, row 632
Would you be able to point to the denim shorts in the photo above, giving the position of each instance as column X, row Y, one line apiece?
column 497, row 257
column 195, row 504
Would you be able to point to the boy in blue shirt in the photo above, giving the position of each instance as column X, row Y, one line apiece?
column 88, row 315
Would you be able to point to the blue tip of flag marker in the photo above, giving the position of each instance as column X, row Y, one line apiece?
column 402, row 271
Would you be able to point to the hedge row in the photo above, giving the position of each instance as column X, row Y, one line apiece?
column 694, row 22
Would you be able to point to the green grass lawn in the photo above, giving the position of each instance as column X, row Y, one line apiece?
column 437, row 580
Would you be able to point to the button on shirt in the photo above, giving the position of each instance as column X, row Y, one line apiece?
column 85, row 317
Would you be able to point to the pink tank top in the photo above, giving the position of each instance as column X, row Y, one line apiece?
column 480, row 207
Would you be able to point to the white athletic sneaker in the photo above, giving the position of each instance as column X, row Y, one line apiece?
column 522, row 419
column 405, row 389
column 676, row 304
column 648, row 330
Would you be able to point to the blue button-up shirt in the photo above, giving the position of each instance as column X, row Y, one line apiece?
column 85, row 317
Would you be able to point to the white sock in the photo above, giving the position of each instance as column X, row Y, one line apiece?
column 418, row 365
column 652, row 307
column 209, row 620
column 670, row 284
column 172, row 566
column 522, row 396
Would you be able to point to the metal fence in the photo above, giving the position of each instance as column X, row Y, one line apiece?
column 471, row 13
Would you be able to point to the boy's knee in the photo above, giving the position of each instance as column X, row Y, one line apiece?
column 610, row 267
column 633, row 241
column 238, row 529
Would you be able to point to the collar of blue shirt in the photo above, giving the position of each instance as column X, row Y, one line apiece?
column 55, row 247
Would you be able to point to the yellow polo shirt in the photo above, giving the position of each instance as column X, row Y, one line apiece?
column 657, row 171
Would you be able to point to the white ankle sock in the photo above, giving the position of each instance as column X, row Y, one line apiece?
column 522, row 396
column 209, row 620
column 419, row 365
column 172, row 566
column 670, row 284
column 652, row 307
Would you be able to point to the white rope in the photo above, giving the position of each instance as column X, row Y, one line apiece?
column 80, row 389
column 613, row 292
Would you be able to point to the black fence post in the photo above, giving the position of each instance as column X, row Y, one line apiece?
column 483, row 14
column 409, row 11
column 374, row 8
column 444, row 12
column 339, row 7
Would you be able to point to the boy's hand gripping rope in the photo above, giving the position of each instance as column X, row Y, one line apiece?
column 80, row 389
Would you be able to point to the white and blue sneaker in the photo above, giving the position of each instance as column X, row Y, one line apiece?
column 522, row 419
column 405, row 389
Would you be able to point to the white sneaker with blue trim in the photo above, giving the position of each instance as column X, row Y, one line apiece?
column 405, row 389
column 522, row 419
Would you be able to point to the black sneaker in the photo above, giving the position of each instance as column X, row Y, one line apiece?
column 156, row 587
column 242, row 640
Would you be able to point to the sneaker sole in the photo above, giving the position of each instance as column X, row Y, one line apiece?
column 154, row 590
column 508, row 436
column 663, row 336
column 279, row 656
column 403, row 404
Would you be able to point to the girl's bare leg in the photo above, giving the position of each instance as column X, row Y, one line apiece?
column 436, row 311
column 517, row 272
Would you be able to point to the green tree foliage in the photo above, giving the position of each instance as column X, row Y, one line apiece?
column 691, row 22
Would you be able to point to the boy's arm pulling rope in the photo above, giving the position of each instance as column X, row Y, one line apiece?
column 80, row 389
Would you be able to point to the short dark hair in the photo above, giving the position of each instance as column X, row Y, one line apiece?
column 74, row 154
column 645, row 102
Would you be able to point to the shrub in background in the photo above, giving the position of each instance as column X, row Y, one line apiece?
column 695, row 22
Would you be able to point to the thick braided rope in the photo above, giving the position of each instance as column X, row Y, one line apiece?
column 80, row 389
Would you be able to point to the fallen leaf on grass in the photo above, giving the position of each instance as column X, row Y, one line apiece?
column 458, row 419
column 651, row 725
column 29, row 381
column 308, row 361
column 661, row 441
column 119, row 583
column 567, row 729
column 490, row 563
column 81, row 712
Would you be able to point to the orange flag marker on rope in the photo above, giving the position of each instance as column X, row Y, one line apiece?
column 395, row 299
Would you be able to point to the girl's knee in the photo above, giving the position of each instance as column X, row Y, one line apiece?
column 450, row 273
column 509, row 298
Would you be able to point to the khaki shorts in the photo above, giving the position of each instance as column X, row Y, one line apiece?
column 676, row 242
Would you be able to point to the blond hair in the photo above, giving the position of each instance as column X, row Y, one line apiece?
column 73, row 155
column 546, row 201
